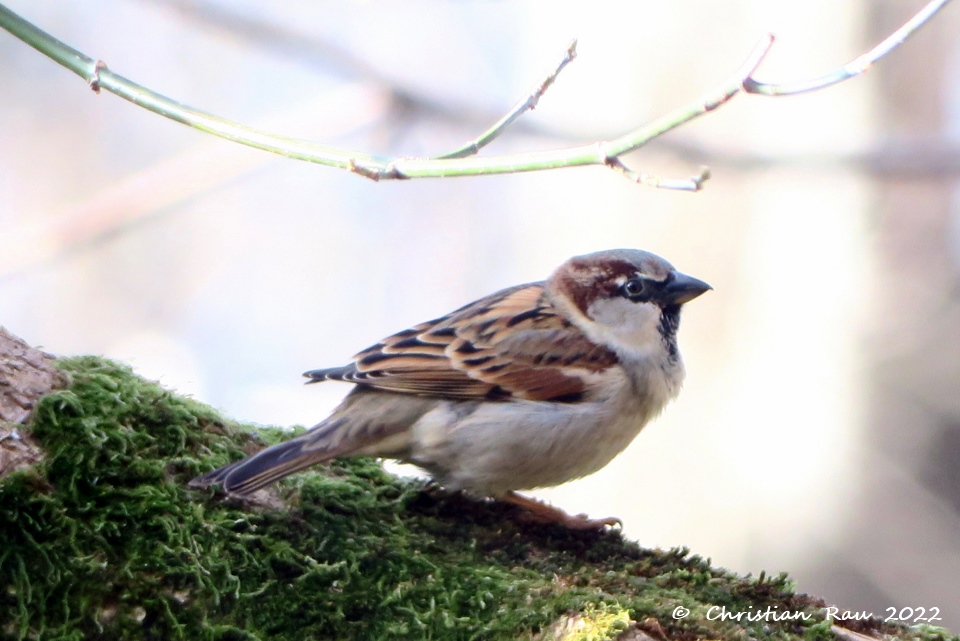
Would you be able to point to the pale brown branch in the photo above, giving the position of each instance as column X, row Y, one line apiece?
column 693, row 183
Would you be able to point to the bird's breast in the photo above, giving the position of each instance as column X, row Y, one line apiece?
column 514, row 445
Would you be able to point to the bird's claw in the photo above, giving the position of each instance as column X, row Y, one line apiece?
column 541, row 512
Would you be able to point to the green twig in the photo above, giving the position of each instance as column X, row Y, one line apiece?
column 98, row 77
column 463, row 161
column 528, row 104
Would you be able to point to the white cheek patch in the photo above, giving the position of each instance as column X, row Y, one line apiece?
column 632, row 327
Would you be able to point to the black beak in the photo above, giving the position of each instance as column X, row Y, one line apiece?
column 682, row 289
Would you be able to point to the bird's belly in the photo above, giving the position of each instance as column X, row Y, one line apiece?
column 502, row 447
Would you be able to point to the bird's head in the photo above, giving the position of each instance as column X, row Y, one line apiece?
column 626, row 299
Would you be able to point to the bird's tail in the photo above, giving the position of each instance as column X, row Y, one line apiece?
column 367, row 422
column 272, row 464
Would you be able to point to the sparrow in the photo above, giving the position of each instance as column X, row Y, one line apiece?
column 532, row 386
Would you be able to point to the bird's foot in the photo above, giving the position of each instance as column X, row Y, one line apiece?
column 545, row 513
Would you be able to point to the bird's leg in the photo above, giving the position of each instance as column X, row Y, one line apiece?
column 546, row 513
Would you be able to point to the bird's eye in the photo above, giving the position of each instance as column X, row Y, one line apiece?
column 634, row 289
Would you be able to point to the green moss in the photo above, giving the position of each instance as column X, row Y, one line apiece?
column 104, row 540
column 596, row 623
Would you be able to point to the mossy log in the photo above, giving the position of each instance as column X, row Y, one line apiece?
column 100, row 538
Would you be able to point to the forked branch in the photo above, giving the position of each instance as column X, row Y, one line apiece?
column 528, row 104
column 465, row 161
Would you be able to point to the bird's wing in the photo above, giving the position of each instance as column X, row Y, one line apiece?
column 511, row 344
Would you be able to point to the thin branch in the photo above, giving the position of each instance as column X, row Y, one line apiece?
column 853, row 68
column 329, row 58
column 530, row 103
column 600, row 153
column 638, row 137
column 910, row 157
column 98, row 76
column 693, row 183
column 606, row 153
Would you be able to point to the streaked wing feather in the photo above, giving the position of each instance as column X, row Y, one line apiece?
column 511, row 343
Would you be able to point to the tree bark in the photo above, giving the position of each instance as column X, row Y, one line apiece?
column 26, row 374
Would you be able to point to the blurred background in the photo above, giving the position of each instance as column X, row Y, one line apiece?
column 819, row 429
